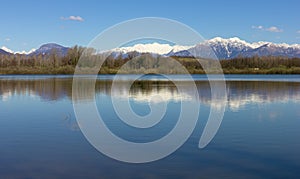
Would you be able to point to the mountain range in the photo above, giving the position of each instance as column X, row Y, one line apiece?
column 220, row 47
column 45, row 49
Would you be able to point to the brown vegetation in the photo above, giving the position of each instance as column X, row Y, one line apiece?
column 145, row 63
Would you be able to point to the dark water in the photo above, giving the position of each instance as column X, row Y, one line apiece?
column 258, row 137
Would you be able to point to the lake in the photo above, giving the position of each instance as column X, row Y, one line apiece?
column 258, row 136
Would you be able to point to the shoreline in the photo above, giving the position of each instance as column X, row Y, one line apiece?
column 70, row 71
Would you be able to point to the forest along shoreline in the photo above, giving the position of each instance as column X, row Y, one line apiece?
column 56, row 64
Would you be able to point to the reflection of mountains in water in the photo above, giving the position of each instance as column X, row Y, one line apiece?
column 239, row 93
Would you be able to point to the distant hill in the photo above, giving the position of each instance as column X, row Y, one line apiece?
column 46, row 49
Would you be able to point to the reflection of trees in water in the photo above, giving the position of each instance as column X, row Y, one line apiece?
column 239, row 92
column 46, row 89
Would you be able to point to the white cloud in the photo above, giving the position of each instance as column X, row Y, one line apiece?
column 7, row 39
column 258, row 27
column 269, row 29
column 273, row 29
column 298, row 31
column 73, row 18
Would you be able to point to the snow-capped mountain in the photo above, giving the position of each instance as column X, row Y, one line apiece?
column 228, row 48
column 6, row 50
column 25, row 52
column 3, row 52
column 153, row 48
column 234, row 47
column 270, row 49
column 214, row 48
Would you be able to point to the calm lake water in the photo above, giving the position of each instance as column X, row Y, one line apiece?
column 258, row 137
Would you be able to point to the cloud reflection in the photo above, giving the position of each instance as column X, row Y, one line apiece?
column 240, row 93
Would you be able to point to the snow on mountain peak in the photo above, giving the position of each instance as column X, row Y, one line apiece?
column 223, row 40
column 234, row 41
column 25, row 52
column 17, row 52
column 233, row 47
column 259, row 44
column 237, row 42
column 7, row 49
column 156, row 48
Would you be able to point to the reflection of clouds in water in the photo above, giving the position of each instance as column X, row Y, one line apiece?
column 32, row 94
column 236, row 103
column 156, row 96
column 163, row 95
column 236, row 100
column 240, row 94
column 6, row 95
column 239, row 102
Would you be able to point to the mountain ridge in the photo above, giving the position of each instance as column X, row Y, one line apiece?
column 218, row 47
column 44, row 49
column 234, row 47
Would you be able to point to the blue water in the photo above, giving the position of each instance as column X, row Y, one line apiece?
column 258, row 137
column 233, row 77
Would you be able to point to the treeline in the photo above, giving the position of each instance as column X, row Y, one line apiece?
column 262, row 65
column 48, row 64
column 244, row 65
column 136, row 63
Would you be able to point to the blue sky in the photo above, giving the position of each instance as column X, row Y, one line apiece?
column 28, row 24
